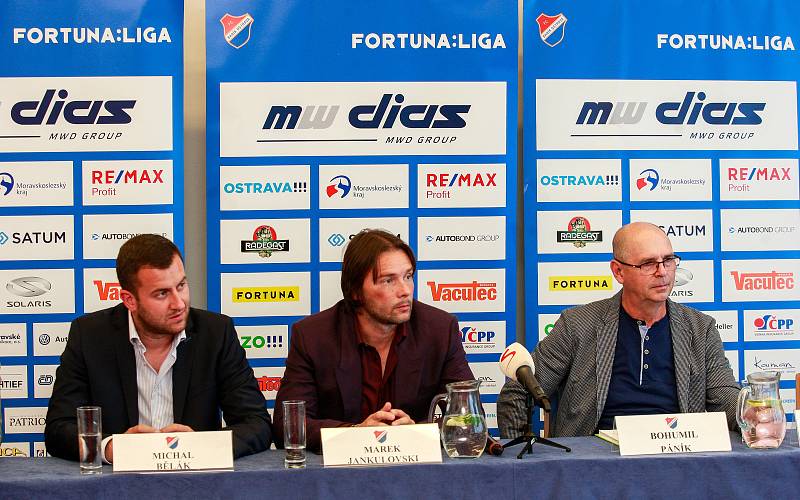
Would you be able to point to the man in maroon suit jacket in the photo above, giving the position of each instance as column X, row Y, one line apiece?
column 377, row 357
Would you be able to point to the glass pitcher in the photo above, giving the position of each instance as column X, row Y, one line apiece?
column 760, row 412
column 463, row 428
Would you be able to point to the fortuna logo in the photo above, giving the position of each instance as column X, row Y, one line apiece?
column 771, row 323
column 458, row 292
column 380, row 436
column 134, row 176
column 646, row 177
column 672, row 422
column 551, row 28
column 759, row 174
column 236, row 29
column 264, row 242
column 573, row 283
column 339, row 185
column 172, row 442
column 6, row 182
column 107, row 291
column 763, row 281
column 578, row 233
column 266, row 294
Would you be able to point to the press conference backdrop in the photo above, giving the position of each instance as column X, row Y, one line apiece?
column 683, row 114
column 324, row 119
column 91, row 153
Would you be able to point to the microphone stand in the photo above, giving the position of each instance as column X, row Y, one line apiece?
column 528, row 437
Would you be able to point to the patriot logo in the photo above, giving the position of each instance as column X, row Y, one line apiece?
column 237, row 29
column 551, row 28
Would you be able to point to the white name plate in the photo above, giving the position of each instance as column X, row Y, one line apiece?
column 677, row 433
column 385, row 445
column 173, row 452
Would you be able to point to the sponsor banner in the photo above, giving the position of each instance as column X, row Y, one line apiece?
column 759, row 229
column 16, row 449
column 44, row 377
column 39, row 449
column 103, row 234
column 463, row 290
column 13, row 339
column 274, row 187
column 127, row 182
column 264, row 341
column 265, row 241
column 490, row 409
column 266, row 294
column 363, row 186
column 14, row 381
column 727, row 324
column 101, row 289
column 490, row 375
column 119, row 113
column 50, row 339
column 665, row 115
column 760, row 280
column 36, row 184
column 335, row 233
column 546, row 324
column 771, row 324
column 575, row 282
column 269, row 380
column 578, row 180
column 577, row 231
column 765, row 179
column 481, row 337
column 461, row 238
column 24, row 420
column 786, row 361
column 733, row 361
column 688, row 230
column 789, row 402
column 670, row 180
column 694, row 281
column 330, row 289
column 461, row 185
column 37, row 237
column 361, row 118
column 37, row 291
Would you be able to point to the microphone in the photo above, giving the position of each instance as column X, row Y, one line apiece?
column 493, row 447
column 517, row 364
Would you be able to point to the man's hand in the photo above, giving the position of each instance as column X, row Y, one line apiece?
column 136, row 429
column 401, row 418
column 387, row 416
column 176, row 428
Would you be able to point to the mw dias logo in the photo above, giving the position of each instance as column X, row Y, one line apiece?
column 741, row 179
column 340, row 187
column 576, row 283
column 265, row 241
column 579, row 233
column 763, row 281
column 266, row 294
column 441, row 184
column 647, row 180
column 28, row 287
column 770, row 324
column 461, row 292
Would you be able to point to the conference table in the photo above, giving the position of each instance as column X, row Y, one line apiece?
column 594, row 469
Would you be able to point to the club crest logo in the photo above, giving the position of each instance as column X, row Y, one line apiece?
column 380, row 436
column 172, row 442
column 236, row 29
column 672, row 422
column 551, row 28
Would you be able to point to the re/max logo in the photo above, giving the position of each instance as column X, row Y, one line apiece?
column 385, row 114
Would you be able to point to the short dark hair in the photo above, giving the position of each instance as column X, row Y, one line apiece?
column 361, row 256
column 143, row 250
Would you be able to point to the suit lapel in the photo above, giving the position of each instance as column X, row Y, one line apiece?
column 126, row 362
column 408, row 371
column 348, row 371
column 606, row 345
column 182, row 370
column 681, row 354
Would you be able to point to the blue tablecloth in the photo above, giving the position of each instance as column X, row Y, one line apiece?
column 594, row 469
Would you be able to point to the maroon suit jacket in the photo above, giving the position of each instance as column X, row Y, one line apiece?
column 324, row 367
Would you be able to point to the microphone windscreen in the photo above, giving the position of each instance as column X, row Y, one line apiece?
column 513, row 357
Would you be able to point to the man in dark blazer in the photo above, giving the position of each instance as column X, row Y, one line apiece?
column 377, row 357
column 154, row 364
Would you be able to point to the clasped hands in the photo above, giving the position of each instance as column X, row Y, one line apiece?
column 387, row 416
column 145, row 429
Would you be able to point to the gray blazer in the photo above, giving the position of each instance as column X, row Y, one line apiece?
column 576, row 359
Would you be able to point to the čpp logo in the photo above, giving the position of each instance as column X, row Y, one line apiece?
column 172, row 442
column 339, row 185
column 772, row 323
column 380, row 436
column 6, row 183
column 672, row 422
column 648, row 177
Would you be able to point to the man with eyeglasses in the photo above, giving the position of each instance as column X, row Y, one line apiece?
column 636, row 353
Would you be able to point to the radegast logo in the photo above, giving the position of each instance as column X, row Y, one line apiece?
column 340, row 186
column 236, row 29
column 458, row 292
column 579, row 233
column 266, row 294
column 265, row 241
column 672, row 422
column 647, row 179
column 551, row 28
column 380, row 436
column 573, row 283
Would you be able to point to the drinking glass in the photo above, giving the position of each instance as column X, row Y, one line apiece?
column 294, row 433
column 90, row 436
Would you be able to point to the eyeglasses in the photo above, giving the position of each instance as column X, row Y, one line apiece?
column 650, row 267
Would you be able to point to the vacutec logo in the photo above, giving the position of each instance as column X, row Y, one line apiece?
column 551, row 28
column 29, row 286
column 380, row 436
column 107, row 290
column 6, row 183
column 336, row 240
column 265, row 241
column 573, row 283
column 236, row 29
column 457, row 292
column 770, row 324
column 672, row 422
column 579, row 232
column 266, row 294
column 268, row 384
column 763, row 281
column 340, row 186
column 647, row 179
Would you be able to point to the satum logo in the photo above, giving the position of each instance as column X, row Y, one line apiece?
column 459, row 292
column 763, row 281
column 265, row 241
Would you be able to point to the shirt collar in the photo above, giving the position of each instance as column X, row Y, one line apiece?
column 399, row 334
column 133, row 335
